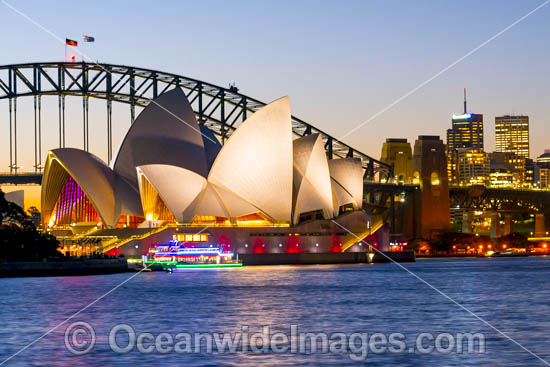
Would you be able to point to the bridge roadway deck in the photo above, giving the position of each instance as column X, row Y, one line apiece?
column 472, row 197
column 20, row 179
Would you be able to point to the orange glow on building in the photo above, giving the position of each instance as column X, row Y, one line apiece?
column 153, row 205
column 254, row 219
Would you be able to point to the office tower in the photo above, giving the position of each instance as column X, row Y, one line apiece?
column 512, row 134
column 543, row 170
column 509, row 169
column 466, row 132
column 473, row 167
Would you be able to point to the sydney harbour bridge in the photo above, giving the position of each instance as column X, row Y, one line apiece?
column 220, row 109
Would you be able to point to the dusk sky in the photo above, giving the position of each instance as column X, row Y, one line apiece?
column 340, row 62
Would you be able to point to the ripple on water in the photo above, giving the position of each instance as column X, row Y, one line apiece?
column 512, row 294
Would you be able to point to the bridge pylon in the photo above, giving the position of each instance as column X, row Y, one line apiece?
column 495, row 224
column 540, row 225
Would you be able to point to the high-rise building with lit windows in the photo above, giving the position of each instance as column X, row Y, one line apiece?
column 473, row 167
column 509, row 169
column 512, row 135
column 543, row 170
column 466, row 133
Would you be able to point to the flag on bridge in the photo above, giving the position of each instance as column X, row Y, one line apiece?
column 88, row 38
column 69, row 42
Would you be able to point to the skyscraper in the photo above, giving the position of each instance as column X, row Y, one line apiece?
column 509, row 169
column 473, row 167
column 512, row 135
column 466, row 132
column 543, row 170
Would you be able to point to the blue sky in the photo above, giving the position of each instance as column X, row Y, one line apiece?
column 340, row 62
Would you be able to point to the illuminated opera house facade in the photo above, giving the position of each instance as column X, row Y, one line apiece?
column 262, row 191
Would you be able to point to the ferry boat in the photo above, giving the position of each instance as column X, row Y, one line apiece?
column 510, row 253
column 176, row 255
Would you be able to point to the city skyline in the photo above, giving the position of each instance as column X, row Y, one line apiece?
column 376, row 64
column 292, row 168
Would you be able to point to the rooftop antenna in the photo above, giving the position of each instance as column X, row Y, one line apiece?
column 465, row 100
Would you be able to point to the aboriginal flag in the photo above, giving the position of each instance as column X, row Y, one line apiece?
column 69, row 42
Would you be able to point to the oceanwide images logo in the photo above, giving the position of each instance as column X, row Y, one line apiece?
column 80, row 339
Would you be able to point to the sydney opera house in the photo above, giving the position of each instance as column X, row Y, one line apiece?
column 262, row 191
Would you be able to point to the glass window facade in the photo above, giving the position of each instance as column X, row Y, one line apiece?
column 154, row 207
column 473, row 167
column 512, row 135
column 466, row 133
column 73, row 206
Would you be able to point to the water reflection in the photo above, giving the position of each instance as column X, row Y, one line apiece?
column 510, row 293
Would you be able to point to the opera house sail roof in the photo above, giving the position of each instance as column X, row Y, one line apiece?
column 166, row 132
column 256, row 162
column 168, row 168
column 79, row 187
column 312, row 190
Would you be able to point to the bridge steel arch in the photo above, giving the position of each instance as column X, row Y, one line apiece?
column 220, row 109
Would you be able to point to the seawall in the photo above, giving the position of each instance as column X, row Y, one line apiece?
column 61, row 268
column 399, row 257
column 323, row 258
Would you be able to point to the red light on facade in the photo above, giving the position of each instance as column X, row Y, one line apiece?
column 259, row 246
column 293, row 247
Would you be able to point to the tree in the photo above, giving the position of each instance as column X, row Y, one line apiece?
column 514, row 239
column 10, row 212
column 34, row 215
column 19, row 238
column 458, row 241
column 440, row 245
column 417, row 244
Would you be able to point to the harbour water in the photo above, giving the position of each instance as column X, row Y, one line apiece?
column 511, row 294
